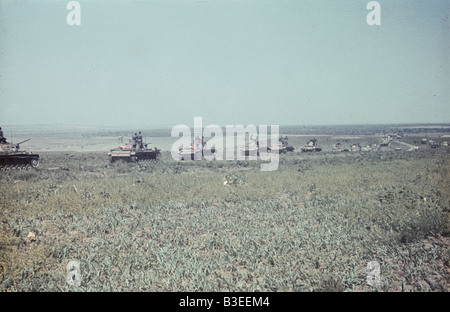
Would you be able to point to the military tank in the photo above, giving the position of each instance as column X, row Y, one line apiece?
column 190, row 153
column 12, row 158
column 386, row 142
column 283, row 146
column 196, row 151
column 337, row 148
column 278, row 148
column 433, row 144
column 355, row 148
column 133, row 152
column 311, row 146
column 251, row 148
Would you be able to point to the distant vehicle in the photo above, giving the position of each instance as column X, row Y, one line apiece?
column 196, row 151
column 278, row 148
column 12, row 158
column 284, row 144
column 133, row 152
column 355, row 148
column 374, row 147
column 251, row 149
column 386, row 140
column 190, row 153
column 423, row 141
column 311, row 146
column 444, row 144
column 433, row 144
column 337, row 148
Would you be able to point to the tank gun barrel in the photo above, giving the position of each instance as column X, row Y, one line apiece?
column 23, row 141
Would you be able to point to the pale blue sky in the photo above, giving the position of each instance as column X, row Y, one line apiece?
column 230, row 62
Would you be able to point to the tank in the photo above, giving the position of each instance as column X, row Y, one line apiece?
column 387, row 139
column 283, row 146
column 251, row 149
column 337, row 148
column 133, row 152
column 12, row 158
column 355, row 148
column 190, row 153
column 196, row 151
column 311, row 146
column 279, row 148
column 433, row 144
column 374, row 147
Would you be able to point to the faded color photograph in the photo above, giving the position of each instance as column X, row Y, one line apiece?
column 224, row 146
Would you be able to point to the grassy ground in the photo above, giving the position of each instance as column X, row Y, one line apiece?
column 312, row 225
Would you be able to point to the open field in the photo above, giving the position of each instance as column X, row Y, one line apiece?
column 312, row 225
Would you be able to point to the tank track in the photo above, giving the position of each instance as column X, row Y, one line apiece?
column 18, row 162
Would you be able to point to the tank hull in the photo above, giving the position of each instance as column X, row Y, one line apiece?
column 290, row 148
column 249, row 152
column 18, row 161
column 278, row 148
column 133, row 156
column 193, row 154
column 311, row 149
column 189, row 154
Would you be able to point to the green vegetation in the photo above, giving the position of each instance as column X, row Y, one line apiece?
column 312, row 225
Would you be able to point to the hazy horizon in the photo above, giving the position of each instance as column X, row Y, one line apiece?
column 285, row 129
column 162, row 63
column 168, row 126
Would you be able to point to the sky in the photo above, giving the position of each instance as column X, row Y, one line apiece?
column 158, row 63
